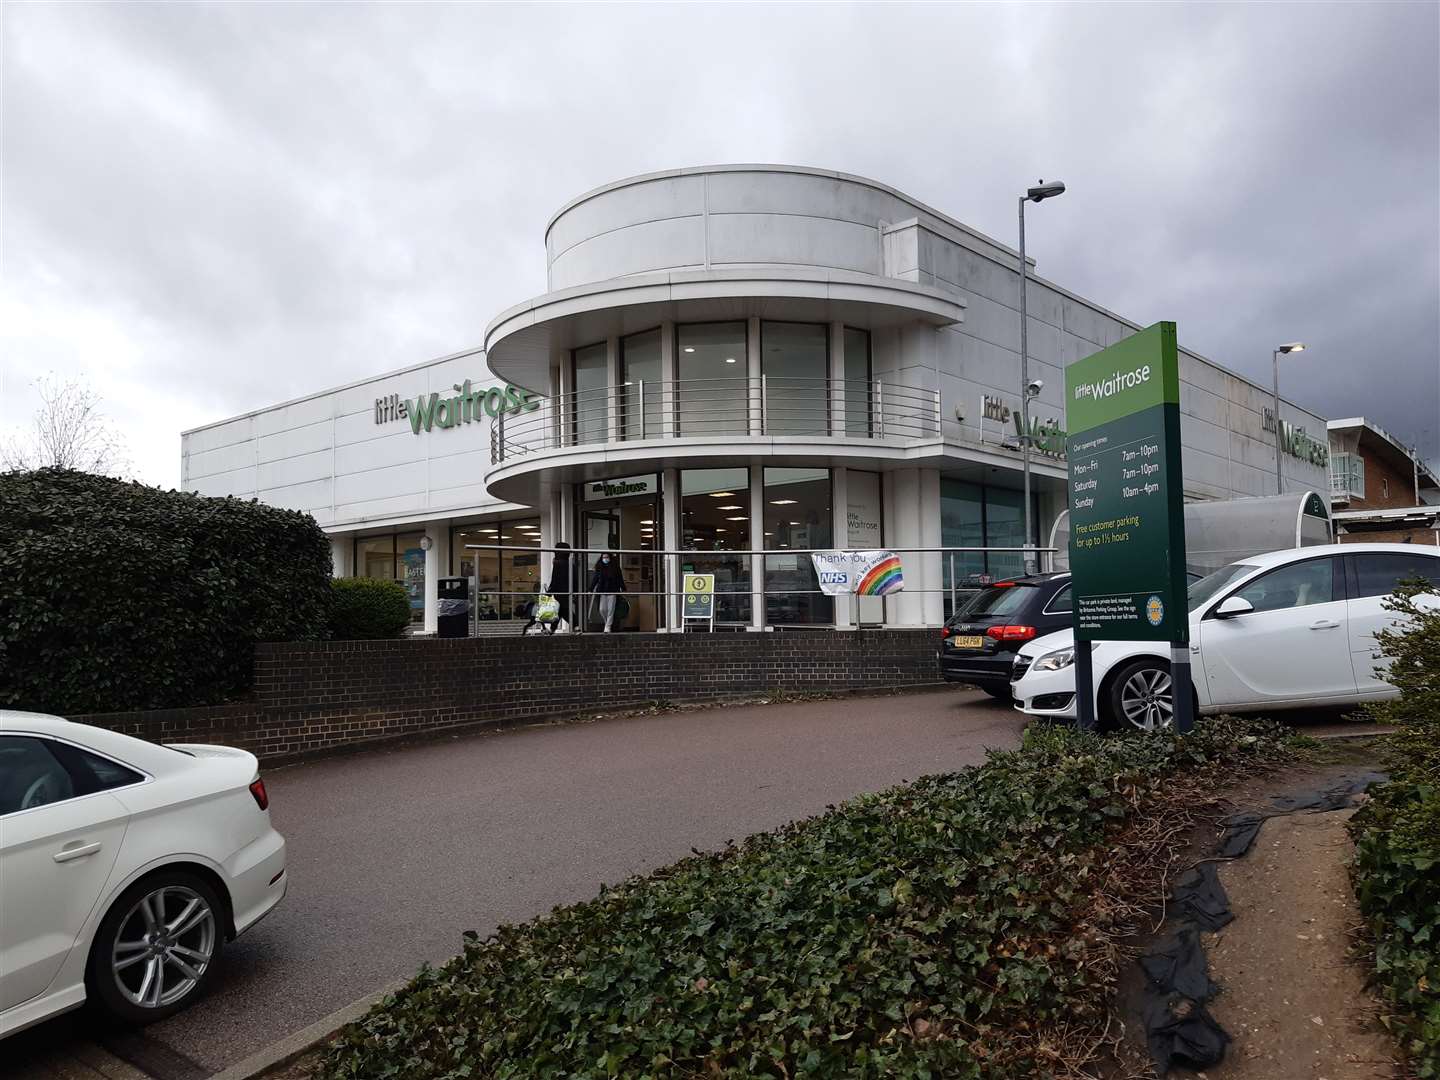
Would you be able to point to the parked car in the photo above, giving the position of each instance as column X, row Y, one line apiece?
column 1284, row 630
column 978, row 643
column 124, row 867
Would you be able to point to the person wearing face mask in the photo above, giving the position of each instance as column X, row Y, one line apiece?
column 605, row 583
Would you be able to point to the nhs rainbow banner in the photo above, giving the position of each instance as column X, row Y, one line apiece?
column 864, row 573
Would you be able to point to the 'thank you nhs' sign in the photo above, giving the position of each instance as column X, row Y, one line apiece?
column 1127, row 515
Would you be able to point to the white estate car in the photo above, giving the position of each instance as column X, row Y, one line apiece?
column 1282, row 630
column 124, row 867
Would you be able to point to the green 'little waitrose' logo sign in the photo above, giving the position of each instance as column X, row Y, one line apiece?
column 465, row 406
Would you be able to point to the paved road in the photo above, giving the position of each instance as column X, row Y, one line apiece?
column 393, row 853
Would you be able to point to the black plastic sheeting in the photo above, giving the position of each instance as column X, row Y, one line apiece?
column 1179, row 1030
column 1200, row 899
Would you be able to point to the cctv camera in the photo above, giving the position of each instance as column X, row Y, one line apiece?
column 1036, row 385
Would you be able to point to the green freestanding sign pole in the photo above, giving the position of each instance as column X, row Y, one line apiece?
column 1127, row 513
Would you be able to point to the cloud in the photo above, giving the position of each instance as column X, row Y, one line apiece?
column 212, row 208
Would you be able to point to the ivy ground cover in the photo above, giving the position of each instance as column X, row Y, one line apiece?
column 964, row 925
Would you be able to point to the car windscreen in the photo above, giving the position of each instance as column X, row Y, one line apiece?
column 1204, row 590
column 997, row 600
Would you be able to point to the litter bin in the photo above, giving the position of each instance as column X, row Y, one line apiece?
column 452, row 614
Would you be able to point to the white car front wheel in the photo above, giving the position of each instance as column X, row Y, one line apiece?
column 1142, row 697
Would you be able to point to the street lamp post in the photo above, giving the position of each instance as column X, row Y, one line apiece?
column 1294, row 346
column 1037, row 194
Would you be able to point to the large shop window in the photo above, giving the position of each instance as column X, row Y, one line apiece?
column 857, row 390
column 508, row 580
column 715, row 517
column 795, row 359
column 395, row 557
column 641, row 400
column 712, row 393
column 975, row 515
column 590, row 408
column 797, row 516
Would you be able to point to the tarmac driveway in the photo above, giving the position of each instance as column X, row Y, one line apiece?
column 393, row 853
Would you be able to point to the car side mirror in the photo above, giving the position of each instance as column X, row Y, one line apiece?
column 1232, row 606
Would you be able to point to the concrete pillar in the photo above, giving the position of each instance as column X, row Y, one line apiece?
column 757, row 543
column 613, row 398
column 565, row 404
column 837, row 386
column 840, row 532
column 437, row 565
column 932, row 578
column 754, row 368
column 672, row 529
column 915, row 513
column 342, row 556
column 666, row 389
column 889, row 530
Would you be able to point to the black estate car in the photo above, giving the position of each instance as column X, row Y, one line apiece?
column 979, row 642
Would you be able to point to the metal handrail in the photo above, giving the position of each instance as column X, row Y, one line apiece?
column 722, row 405
column 664, row 572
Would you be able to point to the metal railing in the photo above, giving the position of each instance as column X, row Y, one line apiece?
column 738, row 406
column 762, row 576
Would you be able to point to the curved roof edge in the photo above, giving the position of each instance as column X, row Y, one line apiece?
column 803, row 170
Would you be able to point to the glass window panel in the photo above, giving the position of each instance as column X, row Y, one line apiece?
column 795, row 358
column 640, row 363
column 715, row 517
column 1004, row 527
column 1294, row 586
column 797, row 515
column 410, row 565
column 1378, row 574
column 590, row 408
column 857, row 389
column 710, row 364
column 962, row 524
column 31, row 774
column 375, row 558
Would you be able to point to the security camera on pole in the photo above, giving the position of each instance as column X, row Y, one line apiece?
column 1029, row 389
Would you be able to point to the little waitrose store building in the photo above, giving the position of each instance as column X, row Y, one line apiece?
column 727, row 359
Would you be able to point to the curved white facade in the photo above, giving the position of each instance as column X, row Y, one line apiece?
column 785, row 322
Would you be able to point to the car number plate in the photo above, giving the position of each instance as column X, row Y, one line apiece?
column 975, row 642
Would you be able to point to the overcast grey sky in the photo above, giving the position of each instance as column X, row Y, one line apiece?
column 208, row 209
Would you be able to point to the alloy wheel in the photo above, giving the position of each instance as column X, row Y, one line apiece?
column 1146, row 700
column 163, row 946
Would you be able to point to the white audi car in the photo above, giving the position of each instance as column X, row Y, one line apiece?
column 124, row 867
column 1283, row 630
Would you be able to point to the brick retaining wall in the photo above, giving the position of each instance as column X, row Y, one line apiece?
column 315, row 696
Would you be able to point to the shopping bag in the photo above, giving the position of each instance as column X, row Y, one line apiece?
column 547, row 608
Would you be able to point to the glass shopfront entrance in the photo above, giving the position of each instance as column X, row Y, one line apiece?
column 624, row 515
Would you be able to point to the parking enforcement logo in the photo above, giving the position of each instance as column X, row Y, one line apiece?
column 1155, row 610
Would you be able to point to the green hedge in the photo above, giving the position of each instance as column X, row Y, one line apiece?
column 115, row 595
column 365, row 608
column 947, row 927
column 1397, row 841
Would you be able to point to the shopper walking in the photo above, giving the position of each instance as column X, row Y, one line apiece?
column 562, row 585
column 606, row 583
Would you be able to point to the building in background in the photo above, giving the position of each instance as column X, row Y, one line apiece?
column 1380, row 490
column 731, row 359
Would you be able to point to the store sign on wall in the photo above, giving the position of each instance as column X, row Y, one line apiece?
column 1296, row 441
column 623, row 488
column 465, row 406
column 1047, row 435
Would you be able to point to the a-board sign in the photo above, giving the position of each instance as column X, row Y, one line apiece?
column 699, row 595
column 1127, row 515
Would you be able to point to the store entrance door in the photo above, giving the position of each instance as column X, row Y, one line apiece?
column 632, row 525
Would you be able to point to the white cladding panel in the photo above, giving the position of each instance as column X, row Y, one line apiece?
column 328, row 455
